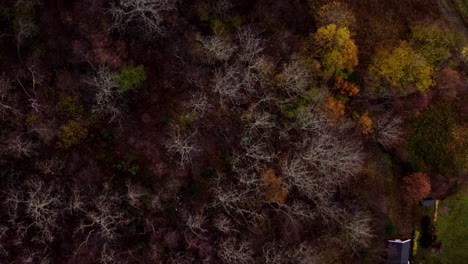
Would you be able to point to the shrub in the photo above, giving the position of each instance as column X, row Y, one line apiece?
column 70, row 106
column 72, row 133
column 130, row 77
column 417, row 186
column 365, row 124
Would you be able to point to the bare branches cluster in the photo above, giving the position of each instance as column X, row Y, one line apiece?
column 295, row 78
column 51, row 166
column 216, row 47
column 232, row 251
column 312, row 119
column 278, row 254
column 182, row 143
column 389, row 130
column 358, row 226
column 7, row 104
column 108, row 96
column 104, row 217
column 34, row 205
column 338, row 159
column 250, row 45
column 198, row 105
column 227, row 83
column 20, row 147
column 147, row 16
column 247, row 70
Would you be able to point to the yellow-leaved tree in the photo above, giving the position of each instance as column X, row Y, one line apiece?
column 433, row 42
column 336, row 49
column 402, row 66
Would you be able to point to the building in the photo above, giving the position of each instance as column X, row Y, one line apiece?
column 428, row 202
column 398, row 251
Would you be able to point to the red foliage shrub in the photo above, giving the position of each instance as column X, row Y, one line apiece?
column 417, row 186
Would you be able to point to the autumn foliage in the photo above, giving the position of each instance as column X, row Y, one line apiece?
column 274, row 187
column 344, row 87
column 417, row 186
column 402, row 66
column 338, row 53
column 365, row 123
column 334, row 107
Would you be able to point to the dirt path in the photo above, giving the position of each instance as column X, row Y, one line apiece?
column 454, row 20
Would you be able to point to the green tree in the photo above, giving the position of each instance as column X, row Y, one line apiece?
column 336, row 49
column 402, row 66
column 433, row 42
column 130, row 77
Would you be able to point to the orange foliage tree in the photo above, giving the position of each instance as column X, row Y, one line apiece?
column 274, row 187
column 417, row 186
column 335, row 108
column 365, row 124
column 344, row 87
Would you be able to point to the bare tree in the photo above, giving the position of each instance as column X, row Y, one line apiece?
column 274, row 254
column 259, row 120
column 41, row 205
column 3, row 231
column 222, row 7
column 51, row 166
column 24, row 26
column 101, row 217
column 334, row 157
column 295, row 78
column 104, row 216
column 257, row 148
column 250, row 45
column 224, row 224
column 36, row 80
column 135, row 193
column 299, row 175
column 217, row 47
column 304, row 254
column 198, row 105
column 228, row 83
column 146, row 15
column 7, row 102
column 20, row 147
column 358, row 227
column 108, row 97
column 389, row 131
column 233, row 252
column 312, row 119
column 195, row 223
column 182, row 144
column 243, row 199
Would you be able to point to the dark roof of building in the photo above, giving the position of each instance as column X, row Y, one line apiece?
column 398, row 251
column 428, row 202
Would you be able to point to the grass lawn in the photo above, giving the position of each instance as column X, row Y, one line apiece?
column 452, row 228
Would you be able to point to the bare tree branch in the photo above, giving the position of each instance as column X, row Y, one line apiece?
column 146, row 15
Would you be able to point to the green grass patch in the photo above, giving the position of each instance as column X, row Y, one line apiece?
column 432, row 146
column 452, row 228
